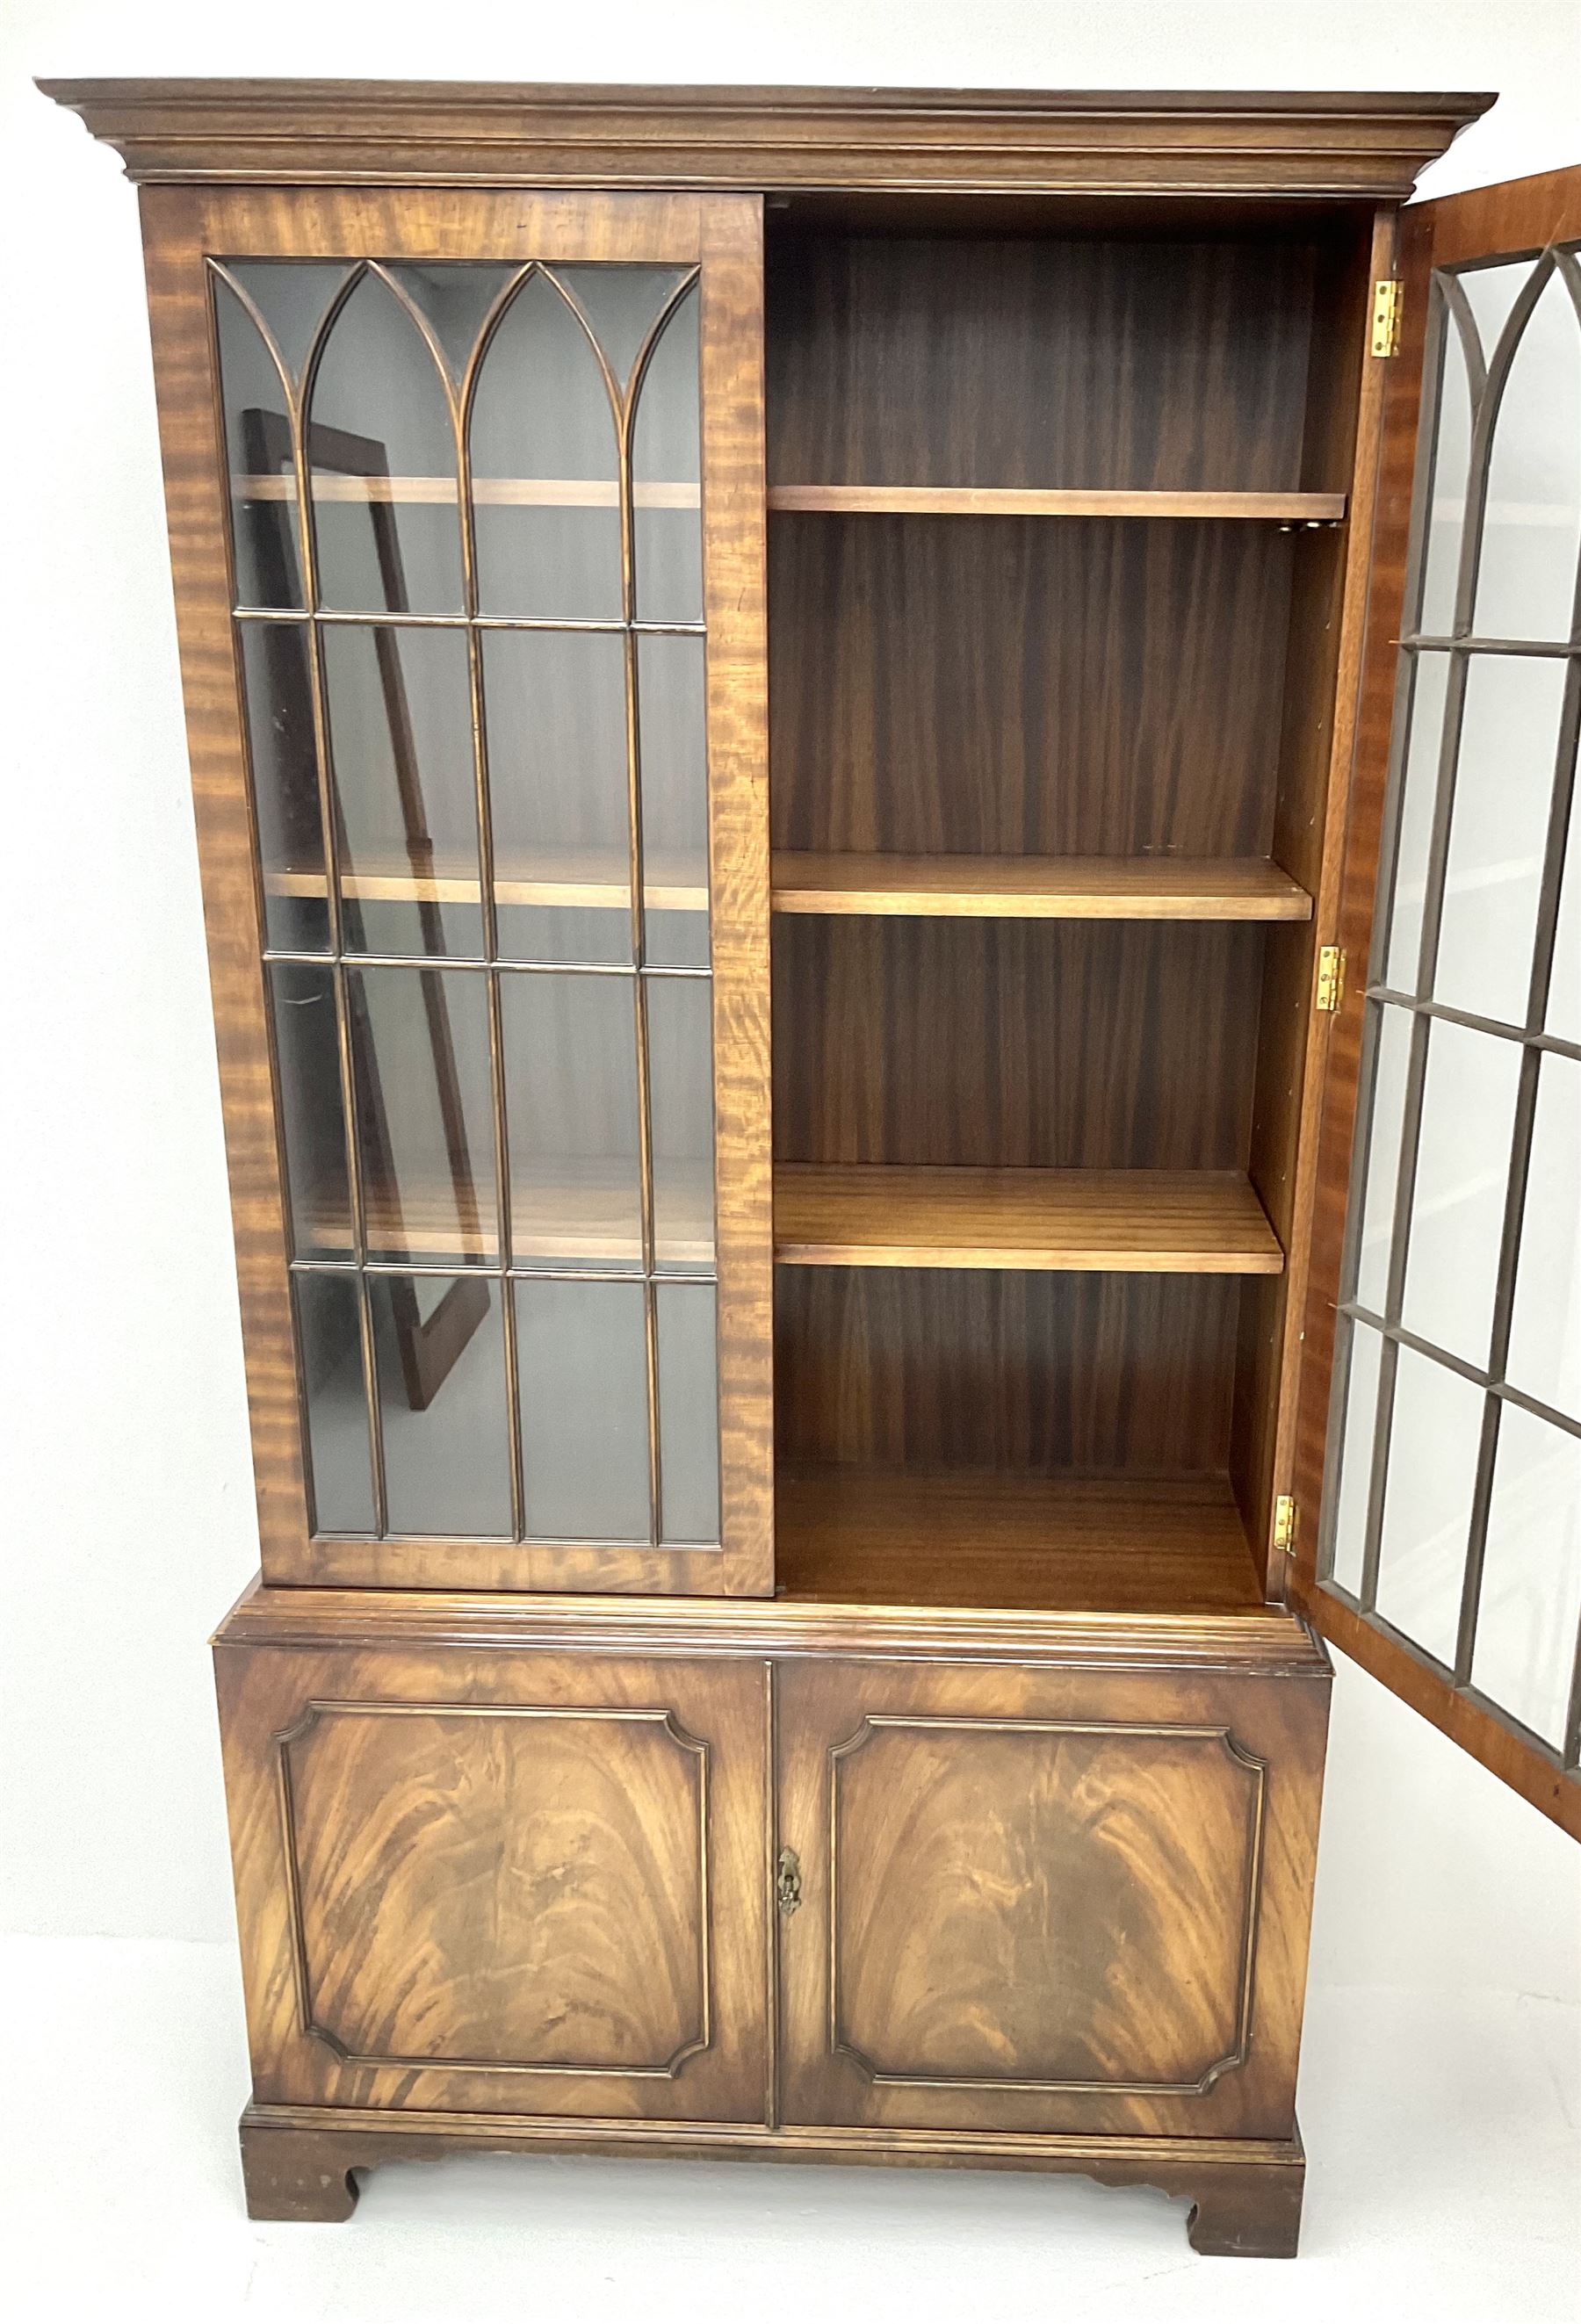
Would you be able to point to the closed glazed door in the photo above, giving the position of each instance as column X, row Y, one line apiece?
column 472, row 608
column 1038, row 1901
column 501, row 1884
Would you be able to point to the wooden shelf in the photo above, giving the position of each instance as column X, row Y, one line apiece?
column 586, row 882
column 1038, row 886
column 987, row 1539
column 1093, row 1222
column 487, row 492
column 589, row 1219
column 1015, row 500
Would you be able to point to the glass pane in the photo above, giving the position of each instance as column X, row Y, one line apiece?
column 581, row 1354
column 425, row 1113
column 672, row 726
column 1545, row 1333
column 621, row 303
column 258, row 451
column 1427, row 1508
column 293, row 297
column 1392, row 1036
column 571, row 1075
column 454, row 298
column 1503, row 793
column 1490, row 292
column 308, row 1051
column 1463, row 1176
column 681, row 1090
column 400, row 707
column 555, row 708
column 340, row 1487
column 1356, row 1471
column 277, row 684
column 440, row 1353
column 688, row 1412
column 383, row 453
column 1563, row 1015
column 544, row 489
column 1447, row 510
column 1419, row 778
column 666, row 467
column 1526, row 576
column 1531, row 1601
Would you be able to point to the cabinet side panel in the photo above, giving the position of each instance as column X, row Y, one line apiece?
column 186, row 384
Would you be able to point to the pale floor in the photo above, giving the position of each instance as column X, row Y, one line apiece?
column 1445, row 2182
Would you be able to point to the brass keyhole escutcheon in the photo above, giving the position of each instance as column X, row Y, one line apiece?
column 788, row 1883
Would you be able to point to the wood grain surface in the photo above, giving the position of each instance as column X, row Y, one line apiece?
column 1036, row 1903
column 977, row 1537
column 1105, row 1221
column 521, row 1883
column 1038, row 886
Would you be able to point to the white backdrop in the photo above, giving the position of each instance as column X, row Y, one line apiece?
column 125, row 1497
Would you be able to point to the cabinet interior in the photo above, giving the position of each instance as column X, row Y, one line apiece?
column 1048, row 791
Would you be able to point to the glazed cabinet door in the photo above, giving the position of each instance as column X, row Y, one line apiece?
column 1036, row 1901
column 467, row 511
column 500, row 1882
column 1442, row 1333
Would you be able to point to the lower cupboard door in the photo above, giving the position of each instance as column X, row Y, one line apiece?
column 1045, row 1901
column 505, row 1883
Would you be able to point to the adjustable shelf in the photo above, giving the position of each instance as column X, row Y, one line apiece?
column 1018, row 500
column 1119, row 1222
column 1038, row 886
column 579, row 881
column 487, row 492
column 985, row 1538
column 586, row 1217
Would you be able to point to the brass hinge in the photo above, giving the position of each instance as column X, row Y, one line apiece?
column 1330, row 978
column 1387, row 298
column 1284, row 1522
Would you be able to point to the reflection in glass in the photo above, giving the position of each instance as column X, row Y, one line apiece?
column 293, row 297
column 1349, row 1540
column 1503, row 787
column 1462, row 1182
column 673, row 728
column 425, row 1113
column 1418, row 798
column 622, row 304
column 680, row 1096
column 544, row 467
column 1544, row 1332
column 688, row 1412
column 1526, row 573
column 1530, row 1599
column 581, row 1355
column 382, row 450
column 666, row 467
column 277, row 684
column 572, row 1083
column 258, row 452
column 1376, row 1224
column 329, row 1330
column 441, row 1356
column 555, row 708
column 312, row 1120
column 1447, row 510
column 399, row 715
column 1433, row 1449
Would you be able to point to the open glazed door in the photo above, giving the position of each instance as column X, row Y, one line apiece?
column 1439, row 1422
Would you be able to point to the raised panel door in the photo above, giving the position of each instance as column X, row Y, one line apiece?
column 1043, row 1901
column 501, row 1883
